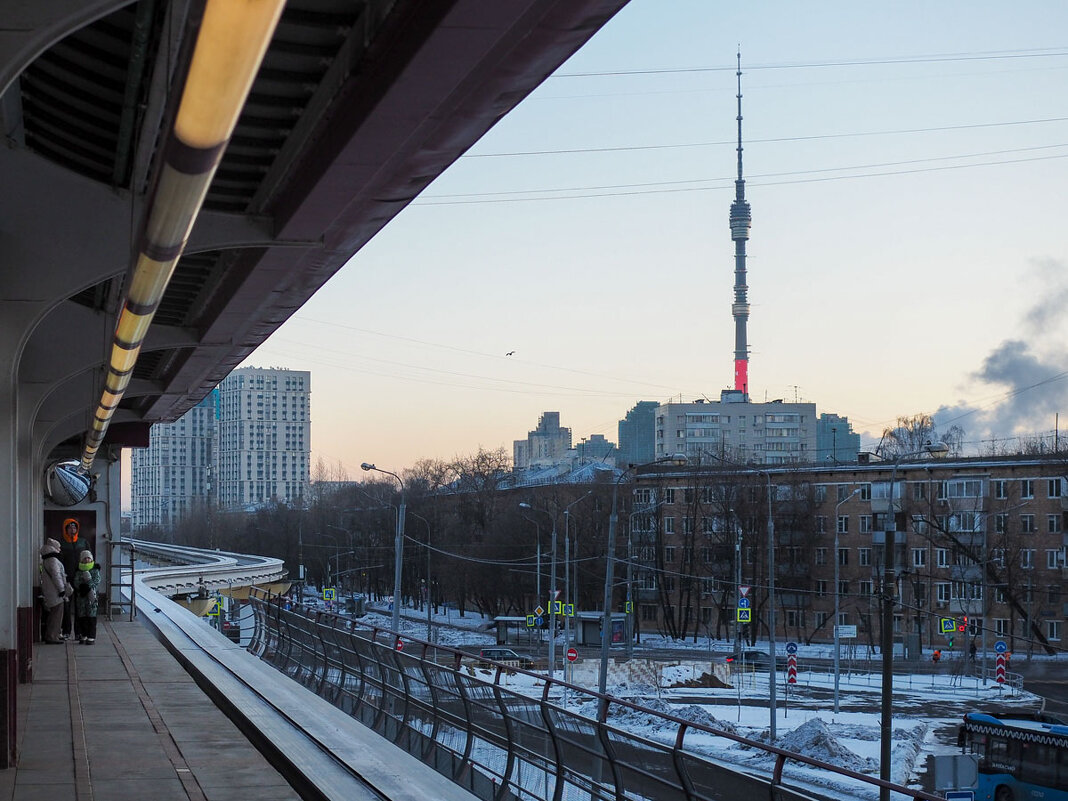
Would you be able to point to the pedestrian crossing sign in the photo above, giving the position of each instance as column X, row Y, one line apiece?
column 745, row 615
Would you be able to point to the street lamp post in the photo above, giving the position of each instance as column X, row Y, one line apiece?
column 837, row 506
column 552, row 591
column 772, row 677
column 398, row 547
column 889, row 580
column 567, row 566
column 429, row 621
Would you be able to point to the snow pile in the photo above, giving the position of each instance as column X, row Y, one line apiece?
column 633, row 720
column 815, row 740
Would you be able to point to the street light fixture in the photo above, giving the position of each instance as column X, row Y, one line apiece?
column 552, row 591
column 838, row 506
column 889, row 580
column 398, row 546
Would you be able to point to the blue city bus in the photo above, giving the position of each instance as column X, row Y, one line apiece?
column 1020, row 756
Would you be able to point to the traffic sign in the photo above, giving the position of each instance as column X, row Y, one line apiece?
column 530, row 621
column 847, row 632
column 214, row 611
column 743, row 590
column 744, row 603
column 400, row 644
column 745, row 616
column 569, row 610
column 628, row 607
column 947, row 625
column 539, row 620
column 791, row 648
column 329, row 593
column 1000, row 647
column 572, row 654
column 791, row 667
column 539, row 612
column 558, row 607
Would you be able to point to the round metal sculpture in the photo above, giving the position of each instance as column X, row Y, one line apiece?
column 65, row 484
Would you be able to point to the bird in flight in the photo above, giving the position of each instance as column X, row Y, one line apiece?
column 510, row 353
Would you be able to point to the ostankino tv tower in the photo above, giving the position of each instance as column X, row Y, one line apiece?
column 741, row 220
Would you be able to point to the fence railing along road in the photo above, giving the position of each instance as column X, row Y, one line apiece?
column 500, row 744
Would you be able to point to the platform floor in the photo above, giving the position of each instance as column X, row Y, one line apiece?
column 120, row 720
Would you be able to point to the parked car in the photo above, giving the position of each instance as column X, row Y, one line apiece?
column 505, row 656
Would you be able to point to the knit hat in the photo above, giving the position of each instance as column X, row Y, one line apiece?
column 85, row 556
column 50, row 546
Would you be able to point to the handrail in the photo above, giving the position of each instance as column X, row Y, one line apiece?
column 499, row 743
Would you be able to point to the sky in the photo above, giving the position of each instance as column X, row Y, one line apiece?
column 906, row 168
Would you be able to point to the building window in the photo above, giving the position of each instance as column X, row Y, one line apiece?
column 1001, row 626
column 669, row 553
column 865, row 524
column 1001, row 491
column 843, row 524
column 942, row 557
column 1027, row 488
column 669, row 525
column 1001, row 523
column 843, row 587
column 821, row 524
column 843, row 557
column 866, row 587
column 821, row 556
column 1053, row 524
column 821, row 619
column 795, row 618
column 943, row 592
column 1054, row 558
column 864, row 557
column 865, row 492
column 919, row 491
column 1053, row 630
column 843, row 491
column 919, row 557
column 1027, row 524
column 1054, row 487
column 821, row 588
column 1027, row 558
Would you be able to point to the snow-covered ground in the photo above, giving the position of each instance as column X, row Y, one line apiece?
column 926, row 711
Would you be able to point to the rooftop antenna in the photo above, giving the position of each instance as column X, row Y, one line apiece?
column 741, row 220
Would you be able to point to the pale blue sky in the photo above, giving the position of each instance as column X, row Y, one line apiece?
column 906, row 170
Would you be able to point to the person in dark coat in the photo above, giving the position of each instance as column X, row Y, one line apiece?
column 70, row 546
column 54, row 589
column 86, row 582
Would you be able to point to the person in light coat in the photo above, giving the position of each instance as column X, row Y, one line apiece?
column 54, row 589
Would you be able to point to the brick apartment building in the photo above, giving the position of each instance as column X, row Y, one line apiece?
column 976, row 537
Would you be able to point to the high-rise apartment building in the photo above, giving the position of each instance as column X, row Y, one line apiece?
column 545, row 445
column 264, row 441
column 835, row 440
column 173, row 475
column 736, row 430
column 636, row 434
column 246, row 443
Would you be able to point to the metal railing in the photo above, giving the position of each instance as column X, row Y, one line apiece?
column 500, row 744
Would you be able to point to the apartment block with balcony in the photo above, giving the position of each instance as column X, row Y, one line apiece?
column 734, row 429
column 977, row 537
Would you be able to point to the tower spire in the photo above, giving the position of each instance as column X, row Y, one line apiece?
column 740, row 220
